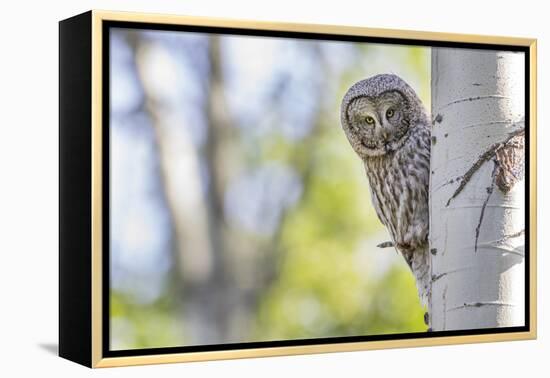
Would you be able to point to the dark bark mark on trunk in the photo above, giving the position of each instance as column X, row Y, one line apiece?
column 501, row 153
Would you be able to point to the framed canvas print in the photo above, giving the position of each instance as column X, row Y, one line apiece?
column 235, row 189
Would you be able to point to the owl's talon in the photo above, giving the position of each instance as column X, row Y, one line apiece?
column 404, row 246
column 386, row 244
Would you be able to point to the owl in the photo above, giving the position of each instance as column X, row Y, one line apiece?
column 388, row 127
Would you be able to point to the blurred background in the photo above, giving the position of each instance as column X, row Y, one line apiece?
column 239, row 212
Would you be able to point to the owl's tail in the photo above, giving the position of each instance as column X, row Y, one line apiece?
column 418, row 261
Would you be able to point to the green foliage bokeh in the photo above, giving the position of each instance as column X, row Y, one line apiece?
column 322, row 289
column 331, row 280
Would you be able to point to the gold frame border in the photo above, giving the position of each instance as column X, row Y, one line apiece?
column 99, row 16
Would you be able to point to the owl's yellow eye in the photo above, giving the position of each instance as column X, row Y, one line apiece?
column 369, row 120
column 389, row 113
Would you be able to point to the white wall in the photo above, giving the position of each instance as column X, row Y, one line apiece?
column 28, row 190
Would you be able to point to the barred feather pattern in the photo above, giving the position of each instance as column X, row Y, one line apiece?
column 399, row 186
column 395, row 148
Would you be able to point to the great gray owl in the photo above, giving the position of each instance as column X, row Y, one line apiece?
column 388, row 127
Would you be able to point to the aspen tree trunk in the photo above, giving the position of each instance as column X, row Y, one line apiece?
column 477, row 199
column 194, row 252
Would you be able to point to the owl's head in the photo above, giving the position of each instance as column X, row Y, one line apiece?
column 377, row 114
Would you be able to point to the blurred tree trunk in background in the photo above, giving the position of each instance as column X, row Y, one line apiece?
column 219, row 275
column 477, row 207
column 201, row 274
column 192, row 245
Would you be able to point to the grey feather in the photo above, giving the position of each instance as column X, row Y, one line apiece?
column 388, row 127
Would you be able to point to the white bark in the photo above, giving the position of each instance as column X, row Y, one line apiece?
column 477, row 282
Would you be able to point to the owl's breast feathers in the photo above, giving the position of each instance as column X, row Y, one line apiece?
column 399, row 186
column 399, row 189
